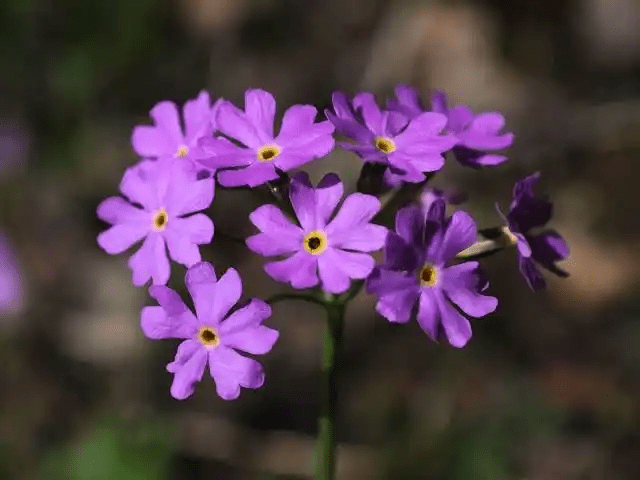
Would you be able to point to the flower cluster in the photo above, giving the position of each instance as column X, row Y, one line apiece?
column 322, row 241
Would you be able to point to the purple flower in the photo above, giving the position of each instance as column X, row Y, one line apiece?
column 527, row 212
column 300, row 140
column 319, row 247
column 211, row 336
column 410, row 147
column 476, row 134
column 415, row 270
column 167, row 191
column 11, row 287
column 166, row 137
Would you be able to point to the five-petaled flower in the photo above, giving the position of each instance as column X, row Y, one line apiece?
column 415, row 270
column 167, row 191
column 166, row 137
column 211, row 336
column 476, row 135
column 324, row 250
column 409, row 147
column 262, row 153
column 527, row 212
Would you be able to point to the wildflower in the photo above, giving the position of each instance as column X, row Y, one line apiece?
column 166, row 137
column 323, row 250
column 476, row 134
column 11, row 287
column 527, row 212
column 211, row 336
column 262, row 154
column 410, row 147
column 415, row 270
column 167, row 191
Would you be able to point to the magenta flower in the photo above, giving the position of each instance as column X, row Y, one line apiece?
column 262, row 154
column 166, row 138
column 410, row 147
column 11, row 285
column 167, row 191
column 322, row 250
column 477, row 135
column 211, row 336
column 416, row 271
column 546, row 248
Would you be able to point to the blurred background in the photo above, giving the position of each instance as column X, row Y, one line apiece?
column 548, row 387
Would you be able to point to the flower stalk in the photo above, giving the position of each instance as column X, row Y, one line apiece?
column 325, row 469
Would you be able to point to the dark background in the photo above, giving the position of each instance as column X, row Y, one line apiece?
column 546, row 389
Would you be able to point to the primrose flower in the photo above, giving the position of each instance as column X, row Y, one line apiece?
column 528, row 212
column 166, row 137
column 410, row 147
column 11, row 287
column 167, row 191
column 416, row 271
column 262, row 154
column 477, row 135
column 322, row 250
column 211, row 336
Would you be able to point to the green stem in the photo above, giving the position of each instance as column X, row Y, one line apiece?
column 326, row 423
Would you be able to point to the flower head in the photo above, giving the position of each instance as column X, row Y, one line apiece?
column 211, row 336
column 11, row 286
column 166, row 191
column 299, row 141
column 476, row 135
column 166, row 137
column 528, row 212
column 409, row 146
column 416, row 270
column 322, row 249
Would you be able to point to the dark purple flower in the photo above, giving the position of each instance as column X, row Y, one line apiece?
column 415, row 270
column 166, row 137
column 167, row 191
column 477, row 135
column 300, row 140
column 528, row 212
column 319, row 247
column 11, row 285
column 410, row 147
column 211, row 336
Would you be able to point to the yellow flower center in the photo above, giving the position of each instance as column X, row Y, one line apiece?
column 208, row 337
column 268, row 153
column 182, row 151
column 315, row 242
column 508, row 236
column 385, row 145
column 428, row 275
column 160, row 220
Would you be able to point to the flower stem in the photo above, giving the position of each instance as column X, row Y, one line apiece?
column 325, row 469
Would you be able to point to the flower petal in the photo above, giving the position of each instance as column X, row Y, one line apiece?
column 407, row 101
column 547, row 248
column 300, row 270
column 230, row 370
column 400, row 255
column 214, row 153
column 157, row 324
column 260, row 107
column 429, row 314
column 148, row 141
column 234, row 123
column 243, row 329
column 439, row 102
column 187, row 370
column 410, row 223
column 150, row 261
column 351, row 128
column 165, row 116
column 396, row 307
column 120, row 237
column 456, row 327
column 334, row 279
column 185, row 193
column 371, row 112
column 279, row 234
column 462, row 283
column 531, row 273
column 116, row 210
column 212, row 299
column 137, row 185
column 362, row 238
column 460, row 117
column 383, row 281
column 356, row 211
column 183, row 235
column 303, row 200
column 252, row 176
column 197, row 118
column 248, row 317
column 460, row 233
